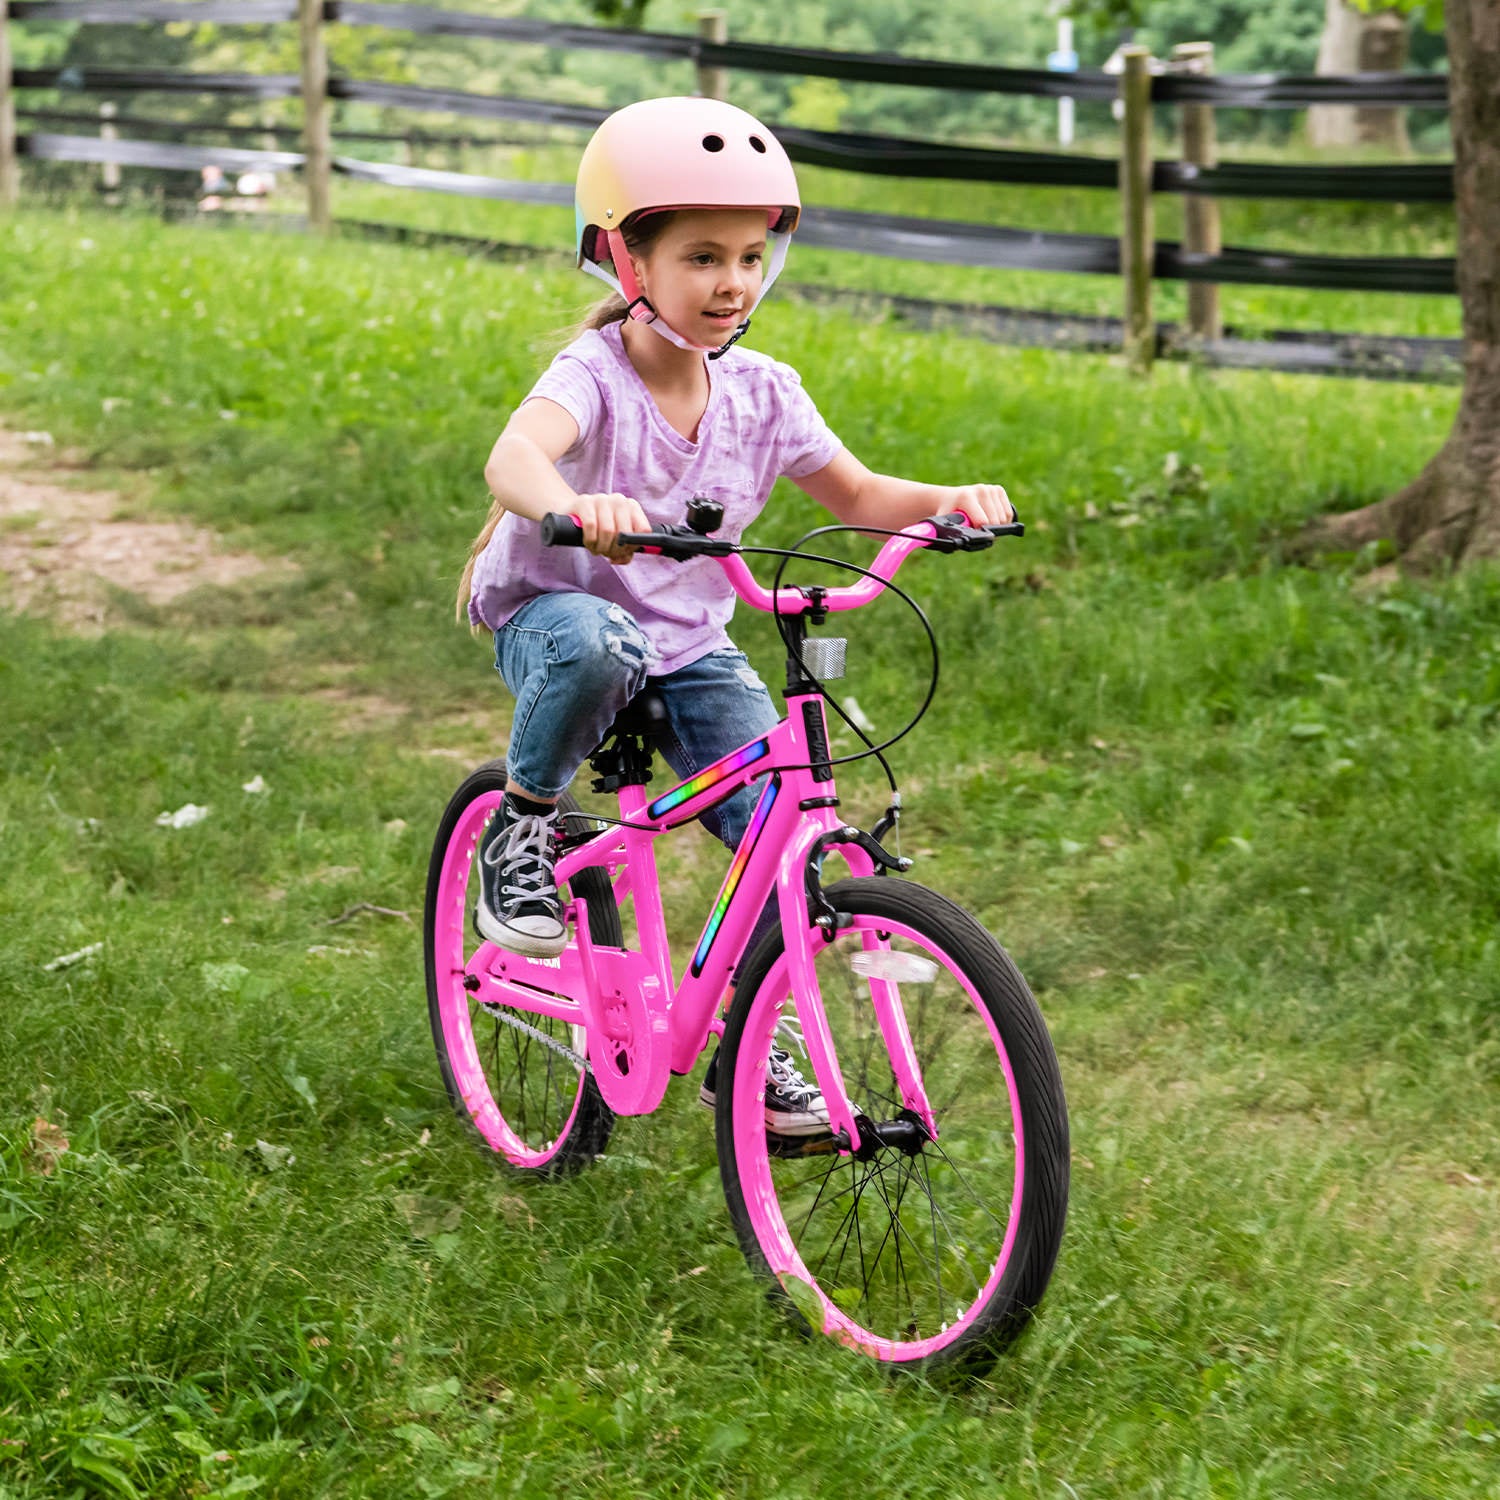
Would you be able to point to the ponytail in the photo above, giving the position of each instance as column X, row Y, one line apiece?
column 607, row 310
column 466, row 579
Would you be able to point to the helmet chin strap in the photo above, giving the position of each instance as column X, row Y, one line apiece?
column 639, row 309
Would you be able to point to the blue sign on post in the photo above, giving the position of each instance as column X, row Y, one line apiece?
column 1064, row 60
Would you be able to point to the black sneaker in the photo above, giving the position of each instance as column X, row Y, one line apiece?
column 793, row 1105
column 518, row 907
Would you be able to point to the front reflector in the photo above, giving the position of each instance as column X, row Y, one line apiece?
column 903, row 968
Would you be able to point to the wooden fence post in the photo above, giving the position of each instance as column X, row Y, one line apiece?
column 109, row 171
column 10, row 176
column 1137, row 231
column 317, row 141
column 713, row 26
column 1200, row 215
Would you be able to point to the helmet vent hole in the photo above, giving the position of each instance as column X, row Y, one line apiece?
column 713, row 143
column 758, row 144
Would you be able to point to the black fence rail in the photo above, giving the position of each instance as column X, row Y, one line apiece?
column 880, row 155
column 414, row 136
column 951, row 242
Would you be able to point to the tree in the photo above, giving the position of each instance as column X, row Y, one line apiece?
column 1450, row 512
column 1360, row 41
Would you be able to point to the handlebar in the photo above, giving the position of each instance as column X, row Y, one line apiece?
column 946, row 533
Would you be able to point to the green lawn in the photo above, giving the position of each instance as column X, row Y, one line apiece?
column 1234, row 819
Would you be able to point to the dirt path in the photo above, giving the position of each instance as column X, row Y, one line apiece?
column 70, row 555
column 64, row 549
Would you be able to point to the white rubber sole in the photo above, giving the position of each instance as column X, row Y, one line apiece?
column 792, row 1125
column 514, row 940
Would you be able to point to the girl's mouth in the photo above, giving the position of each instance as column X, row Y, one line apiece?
column 732, row 316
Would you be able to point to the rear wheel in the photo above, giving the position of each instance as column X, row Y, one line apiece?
column 915, row 1250
column 519, row 1080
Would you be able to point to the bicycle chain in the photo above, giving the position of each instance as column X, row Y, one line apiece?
column 579, row 1061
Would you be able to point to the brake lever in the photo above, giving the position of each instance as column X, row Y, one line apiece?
column 670, row 539
column 954, row 534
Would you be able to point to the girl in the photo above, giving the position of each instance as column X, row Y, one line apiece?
column 679, row 202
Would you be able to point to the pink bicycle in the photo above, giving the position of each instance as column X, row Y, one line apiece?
column 921, row 1228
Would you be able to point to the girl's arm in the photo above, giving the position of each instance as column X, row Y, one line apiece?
column 860, row 497
column 522, row 476
column 522, row 468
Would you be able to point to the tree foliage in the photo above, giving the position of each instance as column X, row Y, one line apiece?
column 621, row 12
column 1252, row 36
column 1255, row 25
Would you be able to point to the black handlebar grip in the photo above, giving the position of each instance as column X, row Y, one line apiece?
column 561, row 531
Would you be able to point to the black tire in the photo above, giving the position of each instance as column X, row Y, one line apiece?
column 982, row 1206
column 527, row 1106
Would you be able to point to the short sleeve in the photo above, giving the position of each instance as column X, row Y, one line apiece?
column 805, row 441
column 572, row 385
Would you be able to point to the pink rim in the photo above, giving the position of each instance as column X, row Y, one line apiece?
column 452, row 938
column 763, row 1204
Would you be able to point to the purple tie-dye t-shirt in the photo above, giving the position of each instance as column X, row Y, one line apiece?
column 758, row 425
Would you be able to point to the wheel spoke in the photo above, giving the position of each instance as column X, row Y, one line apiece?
column 851, row 1216
column 893, row 1228
column 954, row 1237
column 833, row 1166
column 974, row 1197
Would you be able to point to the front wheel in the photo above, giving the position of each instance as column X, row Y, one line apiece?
column 518, row 1079
column 916, row 1250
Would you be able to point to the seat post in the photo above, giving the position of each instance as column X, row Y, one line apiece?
column 623, row 757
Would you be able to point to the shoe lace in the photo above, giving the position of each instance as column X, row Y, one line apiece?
column 788, row 1080
column 524, row 853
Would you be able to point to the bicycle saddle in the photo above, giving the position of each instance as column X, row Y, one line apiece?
column 642, row 717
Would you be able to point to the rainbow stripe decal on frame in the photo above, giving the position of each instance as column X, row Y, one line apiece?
column 720, row 771
column 732, row 879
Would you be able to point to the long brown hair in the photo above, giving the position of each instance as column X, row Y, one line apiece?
column 640, row 232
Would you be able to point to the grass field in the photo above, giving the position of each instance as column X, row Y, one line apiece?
column 1234, row 818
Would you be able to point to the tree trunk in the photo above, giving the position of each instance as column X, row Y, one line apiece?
column 1451, row 511
column 1356, row 41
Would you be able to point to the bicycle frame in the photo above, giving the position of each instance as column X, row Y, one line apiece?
column 795, row 815
column 642, row 1026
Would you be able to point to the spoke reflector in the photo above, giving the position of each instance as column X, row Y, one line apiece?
column 904, row 968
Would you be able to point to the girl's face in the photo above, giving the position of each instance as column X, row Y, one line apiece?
column 704, row 271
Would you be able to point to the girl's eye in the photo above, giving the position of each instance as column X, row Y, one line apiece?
column 754, row 258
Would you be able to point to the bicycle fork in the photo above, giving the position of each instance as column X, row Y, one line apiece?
column 806, row 923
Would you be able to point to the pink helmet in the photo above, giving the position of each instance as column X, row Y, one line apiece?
column 680, row 153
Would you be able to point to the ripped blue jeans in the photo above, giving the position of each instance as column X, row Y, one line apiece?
column 573, row 661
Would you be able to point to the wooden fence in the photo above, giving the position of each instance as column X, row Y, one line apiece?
column 1185, row 81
